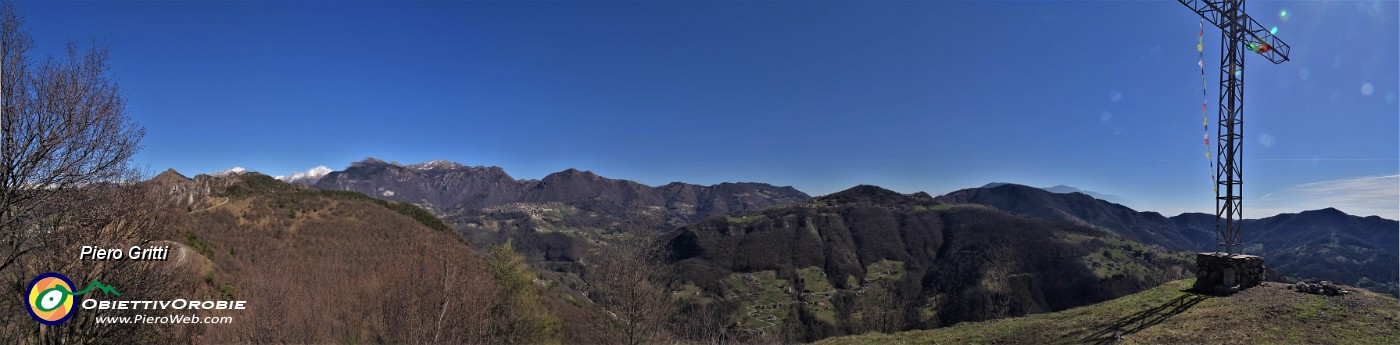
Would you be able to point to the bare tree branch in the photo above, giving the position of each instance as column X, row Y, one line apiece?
column 63, row 126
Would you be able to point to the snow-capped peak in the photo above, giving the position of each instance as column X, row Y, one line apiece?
column 318, row 171
column 233, row 170
column 308, row 177
column 435, row 164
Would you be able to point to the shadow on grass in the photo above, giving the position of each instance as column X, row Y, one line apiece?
column 1110, row 333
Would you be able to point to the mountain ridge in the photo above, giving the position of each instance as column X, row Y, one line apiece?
column 565, row 209
column 555, row 219
column 447, row 186
column 308, row 177
column 847, row 243
column 1325, row 244
column 1065, row 189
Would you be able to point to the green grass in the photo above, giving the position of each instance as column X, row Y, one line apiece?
column 691, row 291
column 1269, row 314
column 762, row 297
column 814, row 279
column 946, row 207
column 817, row 293
column 747, row 219
column 885, row 270
column 1122, row 258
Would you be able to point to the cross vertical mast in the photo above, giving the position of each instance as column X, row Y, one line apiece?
column 1238, row 33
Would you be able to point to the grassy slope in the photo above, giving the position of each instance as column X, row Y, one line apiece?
column 1166, row 315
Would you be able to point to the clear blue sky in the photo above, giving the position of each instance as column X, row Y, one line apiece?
column 912, row 96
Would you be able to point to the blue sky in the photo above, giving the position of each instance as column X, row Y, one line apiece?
column 912, row 96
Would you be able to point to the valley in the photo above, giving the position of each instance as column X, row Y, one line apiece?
column 578, row 258
column 638, row 173
column 782, row 266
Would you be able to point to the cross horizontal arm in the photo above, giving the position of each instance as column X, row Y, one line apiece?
column 1276, row 50
column 1210, row 10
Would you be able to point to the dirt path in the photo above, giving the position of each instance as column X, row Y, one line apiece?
column 212, row 207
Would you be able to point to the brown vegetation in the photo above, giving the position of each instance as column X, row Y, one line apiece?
column 628, row 280
column 317, row 268
column 313, row 268
column 65, row 148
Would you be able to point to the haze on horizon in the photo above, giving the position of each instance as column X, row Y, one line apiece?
column 911, row 96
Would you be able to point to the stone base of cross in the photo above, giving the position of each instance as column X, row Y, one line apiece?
column 1223, row 274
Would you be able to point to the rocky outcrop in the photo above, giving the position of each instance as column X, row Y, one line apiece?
column 1325, row 288
column 173, row 187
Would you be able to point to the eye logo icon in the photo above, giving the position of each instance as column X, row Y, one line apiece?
column 50, row 298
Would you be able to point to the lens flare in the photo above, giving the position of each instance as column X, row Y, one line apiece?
column 1283, row 14
column 1273, row 31
column 1263, row 48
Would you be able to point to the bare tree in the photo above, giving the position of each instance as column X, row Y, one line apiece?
column 63, row 126
column 628, row 280
column 438, row 300
column 66, row 144
column 107, row 217
column 880, row 307
column 704, row 323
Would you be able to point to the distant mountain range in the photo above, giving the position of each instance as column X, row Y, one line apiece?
column 1063, row 189
column 1145, row 227
column 552, row 216
column 307, row 178
column 1321, row 244
column 778, row 261
column 449, row 187
column 566, row 208
column 551, row 219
